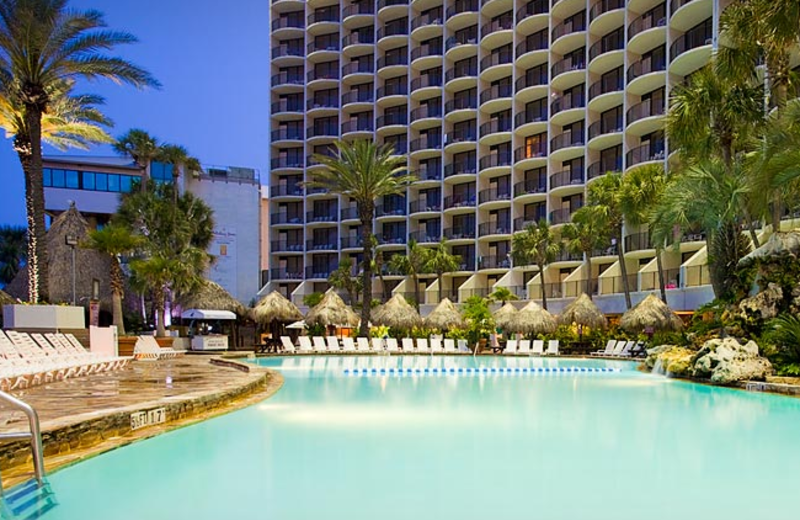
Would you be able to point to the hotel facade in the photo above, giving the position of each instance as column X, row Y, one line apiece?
column 507, row 111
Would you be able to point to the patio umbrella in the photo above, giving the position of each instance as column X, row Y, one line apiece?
column 275, row 307
column 533, row 319
column 396, row 313
column 650, row 313
column 332, row 311
column 212, row 296
column 505, row 315
column 298, row 325
column 445, row 316
column 584, row 312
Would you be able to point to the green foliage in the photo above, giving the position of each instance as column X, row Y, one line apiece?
column 480, row 322
column 728, row 246
column 342, row 278
column 784, row 333
column 503, row 295
column 13, row 251
column 664, row 337
column 313, row 299
column 133, row 322
column 316, row 330
column 457, row 334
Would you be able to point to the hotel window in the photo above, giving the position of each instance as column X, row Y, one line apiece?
column 535, row 145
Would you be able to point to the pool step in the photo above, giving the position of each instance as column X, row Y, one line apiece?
column 514, row 371
column 27, row 501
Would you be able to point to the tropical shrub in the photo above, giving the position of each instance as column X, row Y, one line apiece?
column 784, row 334
column 313, row 299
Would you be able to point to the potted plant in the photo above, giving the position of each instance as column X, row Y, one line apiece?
column 480, row 322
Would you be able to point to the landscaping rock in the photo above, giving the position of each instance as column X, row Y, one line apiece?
column 764, row 305
column 654, row 353
column 726, row 361
column 671, row 360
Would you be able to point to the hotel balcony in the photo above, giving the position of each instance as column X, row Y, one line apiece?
column 494, row 262
column 285, row 274
column 494, row 228
column 285, row 246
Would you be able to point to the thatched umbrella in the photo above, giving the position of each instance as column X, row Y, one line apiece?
column 6, row 299
column 332, row 310
column 275, row 307
column 211, row 296
column 779, row 245
column 584, row 312
column 396, row 313
column 650, row 313
column 504, row 316
column 445, row 316
column 533, row 319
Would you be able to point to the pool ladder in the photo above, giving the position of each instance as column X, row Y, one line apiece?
column 32, row 498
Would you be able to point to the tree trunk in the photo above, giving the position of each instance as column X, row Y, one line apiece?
column 366, row 212
column 623, row 269
column 38, row 286
column 588, row 273
column 440, row 278
column 159, row 302
column 541, row 282
column 661, row 284
column 117, row 293
column 415, row 281
column 727, row 158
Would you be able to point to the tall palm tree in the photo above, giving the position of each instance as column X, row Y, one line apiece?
column 364, row 171
column 115, row 241
column 536, row 245
column 140, row 146
column 640, row 193
column 442, row 261
column 178, row 157
column 413, row 264
column 342, row 278
column 588, row 231
column 43, row 44
column 712, row 116
column 604, row 193
column 12, row 252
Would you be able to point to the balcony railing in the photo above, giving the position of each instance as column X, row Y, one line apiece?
column 360, row 8
column 464, row 103
column 285, row 105
column 646, row 108
column 562, row 103
column 358, row 96
column 429, row 173
column 496, row 126
column 605, row 85
column 426, row 50
column 456, row 41
column 495, row 160
column 392, row 60
column 288, row 23
column 393, row 89
column 674, row 5
column 461, row 72
column 572, row 25
column 392, row 30
column 468, row 264
column 459, row 201
column 496, row 92
column 321, row 271
column 599, row 168
column 461, row 136
column 286, row 78
column 494, row 194
column 426, row 111
column 426, row 142
column 532, row 8
column 312, row 216
column 428, row 80
column 285, row 218
column 391, row 239
column 494, row 228
column 460, row 233
column 565, row 140
column 329, row 244
column 530, row 116
column 286, row 274
column 391, row 210
column 349, row 213
column 358, row 67
column 286, row 162
column 530, row 187
column 284, row 134
column 462, row 6
column 646, row 66
column 532, row 80
column 351, row 242
column 605, row 126
column 460, row 168
column 494, row 262
column 322, row 131
column 330, row 45
column 356, row 126
column 424, row 236
column 567, row 178
column 521, row 223
column 325, row 15
column 285, row 246
column 531, row 151
column 497, row 58
column 690, row 40
column 426, row 19
column 644, row 153
column 389, row 3
column 535, row 42
column 569, row 63
column 286, row 50
column 606, row 44
column 327, row 102
column 424, row 205
column 315, row 75
column 561, row 216
column 637, row 242
column 286, row 190
column 392, row 119
column 656, row 17
column 400, row 147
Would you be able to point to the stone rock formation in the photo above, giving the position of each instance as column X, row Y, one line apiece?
column 726, row 361
column 764, row 305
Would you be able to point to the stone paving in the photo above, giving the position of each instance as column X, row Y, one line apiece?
column 83, row 416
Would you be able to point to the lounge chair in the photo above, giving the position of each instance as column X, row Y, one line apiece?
column 422, row 345
column 333, row 343
column 626, row 350
column 511, row 347
column 378, row 345
column 462, row 345
column 408, row 345
column 391, row 345
column 538, row 347
column 78, row 365
column 525, row 346
column 436, row 345
column 305, row 344
column 608, row 350
column 319, row 344
column 639, row 350
column 449, row 345
column 619, row 348
column 288, row 346
column 163, row 352
column 552, row 347
column 348, row 344
column 362, row 344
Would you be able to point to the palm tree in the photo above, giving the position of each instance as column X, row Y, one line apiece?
column 711, row 116
column 115, row 241
column 536, row 245
column 342, row 278
column 140, row 146
column 42, row 45
column 588, row 231
column 377, row 267
column 365, row 172
column 12, row 252
column 177, row 156
column 604, row 193
column 413, row 264
column 503, row 295
column 441, row 261
column 640, row 193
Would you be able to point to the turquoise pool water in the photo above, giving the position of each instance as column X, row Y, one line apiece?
column 511, row 445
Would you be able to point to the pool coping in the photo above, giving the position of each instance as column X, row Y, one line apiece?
column 88, row 435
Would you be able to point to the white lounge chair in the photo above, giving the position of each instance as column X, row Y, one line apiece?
column 288, row 346
column 348, row 344
column 422, row 345
column 626, row 350
column 333, row 343
column 378, row 345
column 391, row 345
column 408, row 345
column 619, row 347
column 362, row 344
column 608, row 350
column 525, row 346
column 319, row 344
column 462, row 345
column 449, row 345
column 537, row 348
column 305, row 344
column 511, row 347
column 436, row 345
column 552, row 347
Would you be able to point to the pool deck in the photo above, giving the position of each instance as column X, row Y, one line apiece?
column 85, row 416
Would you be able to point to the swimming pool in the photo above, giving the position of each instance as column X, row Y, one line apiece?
column 458, row 445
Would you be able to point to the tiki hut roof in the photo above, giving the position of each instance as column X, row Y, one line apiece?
column 332, row 311
column 583, row 311
column 396, row 313
column 445, row 316
column 778, row 246
column 275, row 307
column 6, row 299
column 211, row 296
column 650, row 313
column 533, row 319
column 504, row 316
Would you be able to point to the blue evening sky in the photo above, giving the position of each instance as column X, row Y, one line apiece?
column 212, row 59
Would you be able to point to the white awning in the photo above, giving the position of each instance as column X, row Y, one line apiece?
column 203, row 314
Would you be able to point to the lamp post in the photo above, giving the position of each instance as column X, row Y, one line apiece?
column 72, row 241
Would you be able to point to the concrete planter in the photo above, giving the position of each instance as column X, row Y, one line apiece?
column 43, row 317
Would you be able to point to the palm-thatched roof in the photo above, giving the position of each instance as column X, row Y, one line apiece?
column 779, row 245
column 211, row 296
column 445, row 316
column 584, row 312
column 275, row 307
column 533, row 319
column 332, row 311
column 6, row 299
column 650, row 313
column 504, row 316
column 396, row 313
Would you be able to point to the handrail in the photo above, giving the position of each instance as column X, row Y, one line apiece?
column 35, row 434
